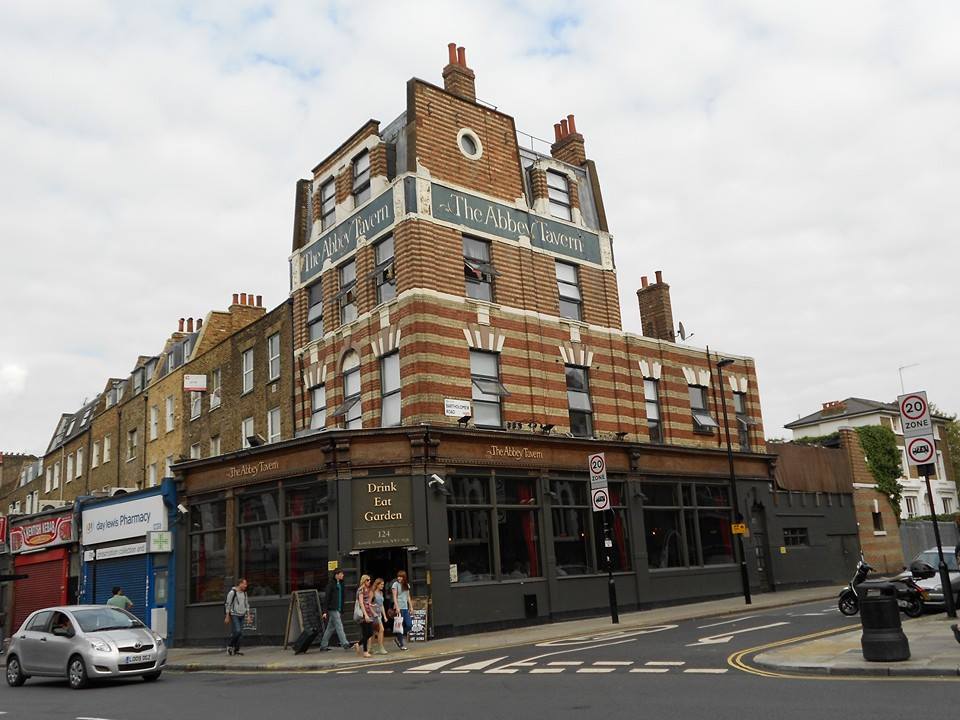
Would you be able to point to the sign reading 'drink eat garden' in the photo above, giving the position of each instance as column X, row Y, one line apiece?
column 368, row 221
column 382, row 512
column 463, row 209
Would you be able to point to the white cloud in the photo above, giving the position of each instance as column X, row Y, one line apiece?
column 13, row 379
column 791, row 167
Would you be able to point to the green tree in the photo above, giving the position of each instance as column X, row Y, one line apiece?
column 950, row 436
column 883, row 459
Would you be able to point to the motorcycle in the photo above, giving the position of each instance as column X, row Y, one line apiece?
column 910, row 596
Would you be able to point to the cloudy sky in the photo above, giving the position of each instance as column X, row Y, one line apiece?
column 792, row 168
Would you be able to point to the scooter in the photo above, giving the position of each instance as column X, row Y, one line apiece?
column 910, row 596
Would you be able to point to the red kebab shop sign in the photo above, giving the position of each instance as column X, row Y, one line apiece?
column 42, row 533
column 918, row 437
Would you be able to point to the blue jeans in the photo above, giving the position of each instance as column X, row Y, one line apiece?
column 236, row 631
column 334, row 624
column 407, row 625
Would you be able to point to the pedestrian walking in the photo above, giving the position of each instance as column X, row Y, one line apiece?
column 119, row 600
column 363, row 614
column 333, row 600
column 237, row 608
column 401, row 603
column 379, row 617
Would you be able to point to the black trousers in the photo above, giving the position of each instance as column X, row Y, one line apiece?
column 366, row 632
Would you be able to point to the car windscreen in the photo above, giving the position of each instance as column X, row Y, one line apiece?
column 96, row 619
column 932, row 558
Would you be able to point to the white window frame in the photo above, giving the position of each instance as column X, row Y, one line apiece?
column 215, row 388
column 390, row 396
column 168, row 466
column 315, row 311
column 69, row 475
column 56, row 476
column 170, row 417
column 152, row 475
column 154, row 421
column 328, row 203
column 273, row 357
column 132, row 435
column 247, row 429
column 214, row 446
column 347, row 295
column 568, row 291
column 195, row 452
column 318, row 412
column 487, row 389
column 79, row 466
column 196, row 404
column 558, row 195
column 273, row 425
column 48, row 482
column 95, row 455
column 360, row 188
column 106, row 449
column 246, row 370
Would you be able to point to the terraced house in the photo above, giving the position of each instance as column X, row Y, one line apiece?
column 457, row 354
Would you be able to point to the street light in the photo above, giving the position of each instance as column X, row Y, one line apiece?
column 744, row 578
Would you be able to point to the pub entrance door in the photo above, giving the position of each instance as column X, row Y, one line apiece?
column 384, row 563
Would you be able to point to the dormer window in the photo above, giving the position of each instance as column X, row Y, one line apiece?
column 361, row 178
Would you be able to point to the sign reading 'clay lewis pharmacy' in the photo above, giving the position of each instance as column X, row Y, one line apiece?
column 116, row 521
column 371, row 219
column 464, row 209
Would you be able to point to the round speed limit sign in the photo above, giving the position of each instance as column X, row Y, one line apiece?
column 601, row 499
column 920, row 450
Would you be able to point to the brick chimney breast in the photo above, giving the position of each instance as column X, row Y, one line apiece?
column 656, row 312
column 457, row 77
column 568, row 146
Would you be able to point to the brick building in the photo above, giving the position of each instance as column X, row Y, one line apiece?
column 458, row 353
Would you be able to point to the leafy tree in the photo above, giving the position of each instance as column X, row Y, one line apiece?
column 950, row 436
column 883, row 459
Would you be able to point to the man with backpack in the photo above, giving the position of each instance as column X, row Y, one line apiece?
column 237, row 607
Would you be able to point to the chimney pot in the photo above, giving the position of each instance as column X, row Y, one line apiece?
column 462, row 56
column 190, row 325
column 243, row 298
column 181, row 325
column 659, row 274
column 236, row 299
column 259, row 300
column 556, row 132
column 564, row 128
column 571, row 124
column 452, row 52
column 250, row 299
column 643, row 281
column 199, row 324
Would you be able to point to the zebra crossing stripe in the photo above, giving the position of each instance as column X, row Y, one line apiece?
column 430, row 667
column 379, row 672
column 670, row 663
column 501, row 671
column 544, row 671
column 482, row 665
column 454, row 672
column 649, row 670
column 572, row 663
column 707, row 671
column 615, row 663
column 596, row 670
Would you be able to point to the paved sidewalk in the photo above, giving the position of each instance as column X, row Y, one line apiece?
column 934, row 652
column 275, row 659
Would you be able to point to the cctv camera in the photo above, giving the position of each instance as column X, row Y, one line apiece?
column 182, row 509
column 436, row 480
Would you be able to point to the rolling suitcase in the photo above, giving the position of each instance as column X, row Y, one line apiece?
column 305, row 639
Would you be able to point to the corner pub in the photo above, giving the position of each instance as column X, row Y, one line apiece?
column 454, row 370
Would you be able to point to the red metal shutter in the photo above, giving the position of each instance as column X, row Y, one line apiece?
column 47, row 584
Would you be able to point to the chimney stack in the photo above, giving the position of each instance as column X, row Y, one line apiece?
column 243, row 298
column 189, row 325
column 180, row 327
column 457, row 77
column 236, row 299
column 656, row 313
column 259, row 300
column 250, row 299
column 199, row 324
column 568, row 144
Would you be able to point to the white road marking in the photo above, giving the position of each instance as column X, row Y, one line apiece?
column 430, row 667
column 672, row 663
column 524, row 664
column 512, row 666
column 727, row 622
column 567, row 662
column 615, row 663
column 501, row 671
column 727, row 637
column 81, row 718
column 596, row 670
column 649, row 670
column 707, row 671
column 379, row 672
column 454, row 672
column 339, row 672
column 609, row 635
column 482, row 665
column 543, row 671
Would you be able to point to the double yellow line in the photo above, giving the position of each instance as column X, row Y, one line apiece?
column 736, row 661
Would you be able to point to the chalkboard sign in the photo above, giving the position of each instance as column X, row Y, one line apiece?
column 304, row 612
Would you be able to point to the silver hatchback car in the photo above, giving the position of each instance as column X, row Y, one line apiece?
column 84, row 643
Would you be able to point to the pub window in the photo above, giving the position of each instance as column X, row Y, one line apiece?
column 390, row 386
column 703, row 422
column 383, row 273
column 258, row 527
column 351, row 410
column 487, row 389
column 651, row 394
column 306, row 536
column 208, row 550
column 246, row 364
column 478, row 271
column 328, row 203
column 578, row 540
column 796, row 537
column 568, row 288
column 743, row 420
column 361, row 178
column 578, row 401
column 315, row 313
column 558, row 192
column 347, row 296
column 687, row 525
column 273, row 357
column 318, row 405
column 493, row 528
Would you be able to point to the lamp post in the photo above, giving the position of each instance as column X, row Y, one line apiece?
column 744, row 578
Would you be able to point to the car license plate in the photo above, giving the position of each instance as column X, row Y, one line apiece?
column 132, row 659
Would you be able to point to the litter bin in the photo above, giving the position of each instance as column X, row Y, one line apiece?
column 883, row 639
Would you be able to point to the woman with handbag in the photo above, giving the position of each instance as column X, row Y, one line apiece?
column 363, row 614
column 401, row 603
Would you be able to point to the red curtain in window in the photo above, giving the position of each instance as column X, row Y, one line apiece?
column 619, row 532
column 529, row 531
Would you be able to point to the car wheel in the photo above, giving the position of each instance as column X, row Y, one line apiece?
column 77, row 673
column 151, row 676
column 15, row 676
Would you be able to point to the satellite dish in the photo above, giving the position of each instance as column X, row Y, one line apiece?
column 682, row 332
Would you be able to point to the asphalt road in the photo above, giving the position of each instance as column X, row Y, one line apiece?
column 674, row 671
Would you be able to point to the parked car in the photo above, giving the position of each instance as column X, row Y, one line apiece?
column 925, row 565
column 83, row 643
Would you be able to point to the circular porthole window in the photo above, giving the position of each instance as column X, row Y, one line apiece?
column 469, row 144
